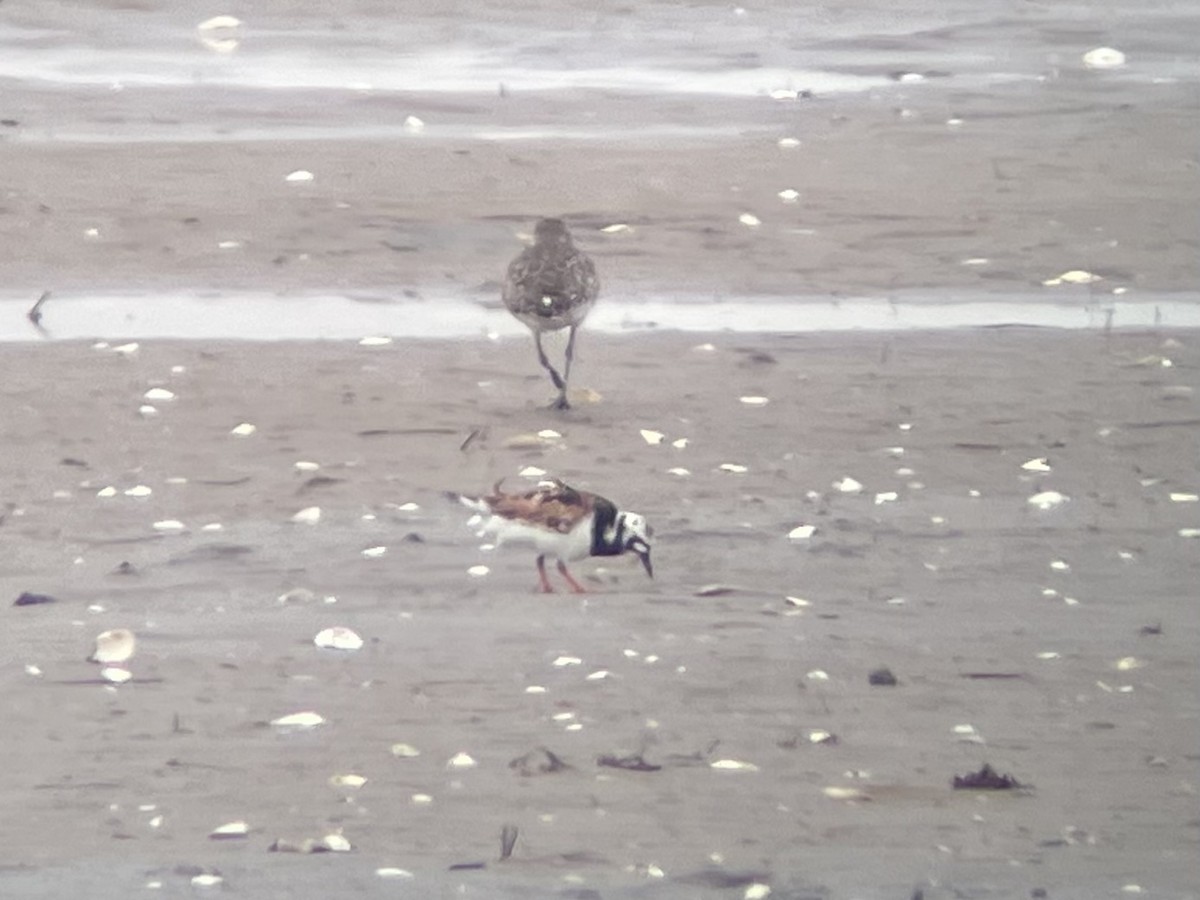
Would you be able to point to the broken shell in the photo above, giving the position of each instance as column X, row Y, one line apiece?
column 848, row 485
column 680, row 471
column 334, row 843
column 374, row 552
column 461, row 761
column 802, row 532
column 1189, row 532
column 107, row 492
column 819, row 736
column 169, row 525
column 114, row 646
column 735, row 468
column 219, row 22
column 567, row 661
column 532, row 472
column 139, row 490
column 817, row 675
column 338, row 638
column 206, row 880
column 679, row 443
column 306, row 466
column 614, row 228
column 405, row 751
column 310, row 515
column 796, row 601
column 393, row 872
column 412, row 123
column 1128, row 663
column 1036, row 465
column 599, row 675
column 158, row 394
column 755, row 401
column 652, row 437
column 300, row 720
column 789, row 195
column 478, row 571
column 757, row 891
column 843, row 793
column 886, row 497
column 243, row 430
column 733, row 765
column 1047, row 499
column 1074, row 276
column 379, row 341
column 300, row 175
column 1104, row 58
column 749, row 220
column 787, row 143
column 115, row 674
column 1185, row 498
column 229, row 831
column 347, row 781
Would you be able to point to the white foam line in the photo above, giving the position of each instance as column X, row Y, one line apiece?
column 257, row 316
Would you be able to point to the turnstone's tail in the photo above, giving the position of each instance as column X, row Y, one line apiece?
column 478, row 504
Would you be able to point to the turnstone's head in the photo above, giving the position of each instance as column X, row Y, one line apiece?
column 551, row 232
column 630, row 533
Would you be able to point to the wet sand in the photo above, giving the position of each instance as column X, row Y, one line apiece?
column 991, row 613
column 956, row 592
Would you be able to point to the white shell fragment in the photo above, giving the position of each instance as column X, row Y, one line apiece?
column 1074, row 276
column 347, row 781
column 206, row 880
column 338, row 638
column 532, row 472
column 845, row 793
column 848, row 485
column 1189, row 532
column 789, row 195
column 755, row 401
column 653, row 438
column 567, row 661
column 405, row 751
column 375, row 341
column 756, row 891
column 787, row 143
column 310, row 515
column 1036, row 465
column 733, row 765
column 374, row 552
column 679, row 471
column 169, row 525
column 1185, row 498
column 886, row 497
column 299, row 721
column 334, row 843
column 230, row 830
column 1047, row 500
column 414, row 124
column 114, row 646
column 615, row 228
column 158, row 394
column 300, row 175
column 478, row 571
column 750, row 220
column 802, row 532
column 393, row 872
column 1128, row 663
column 304, row 465
column 140, row 490
column 735, row 468
column 461, row 761
column 1104, row 58
column 219, row 22
column 243, row 430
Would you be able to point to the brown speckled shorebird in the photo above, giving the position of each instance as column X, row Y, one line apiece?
column 550, row 286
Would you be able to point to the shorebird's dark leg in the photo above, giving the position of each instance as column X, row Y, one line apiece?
column 561, row 402
column 544, row 585
column 576, row 587
column 554, row 376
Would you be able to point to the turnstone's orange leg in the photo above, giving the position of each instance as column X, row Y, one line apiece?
column 544, row 585
column 576, row 587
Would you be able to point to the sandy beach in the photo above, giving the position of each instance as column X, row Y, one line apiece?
column 1054, row 640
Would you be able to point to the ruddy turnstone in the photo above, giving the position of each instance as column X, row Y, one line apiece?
column 550, row 286
column 562, row 522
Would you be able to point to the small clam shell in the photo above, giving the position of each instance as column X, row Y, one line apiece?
column 347, row 781
column 310, row 515
column 1047, row 500
column 1074, row 276
column 168, row 525
column 299, row 176
column 207, row 880
column 338, row 638
column 461, row 761
column 392, row 872
column 756, row 891
column 300, row 720
column 802, row 532
column 848, row 485
column 114, row 646
column 1104, row 58
column 333, row 843
column 414, row 124
column 304, row 465
column 158, row 394
column 245, row 429
column 735, row 468
column 139, row 490
column 1036, row 465
column 750, row 220
column 652, row 437
column 230, row 831
column 567, row 661
column 733, row 765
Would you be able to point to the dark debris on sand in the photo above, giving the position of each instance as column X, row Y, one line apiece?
column 986, row 779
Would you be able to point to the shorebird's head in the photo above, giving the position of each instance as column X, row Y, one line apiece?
column 551, row 232
column 633, row 535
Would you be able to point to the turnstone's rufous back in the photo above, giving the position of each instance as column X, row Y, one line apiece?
column 550, row 286
column 564, row 523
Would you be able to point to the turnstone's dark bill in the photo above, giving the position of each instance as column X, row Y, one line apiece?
column 563, row 523
column 550, row 286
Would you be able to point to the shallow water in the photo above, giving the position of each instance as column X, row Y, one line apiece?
column 262, row 316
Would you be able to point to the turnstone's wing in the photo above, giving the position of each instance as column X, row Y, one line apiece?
column 553, row 506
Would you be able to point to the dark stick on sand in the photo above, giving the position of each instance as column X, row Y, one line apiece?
column 35, row 312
